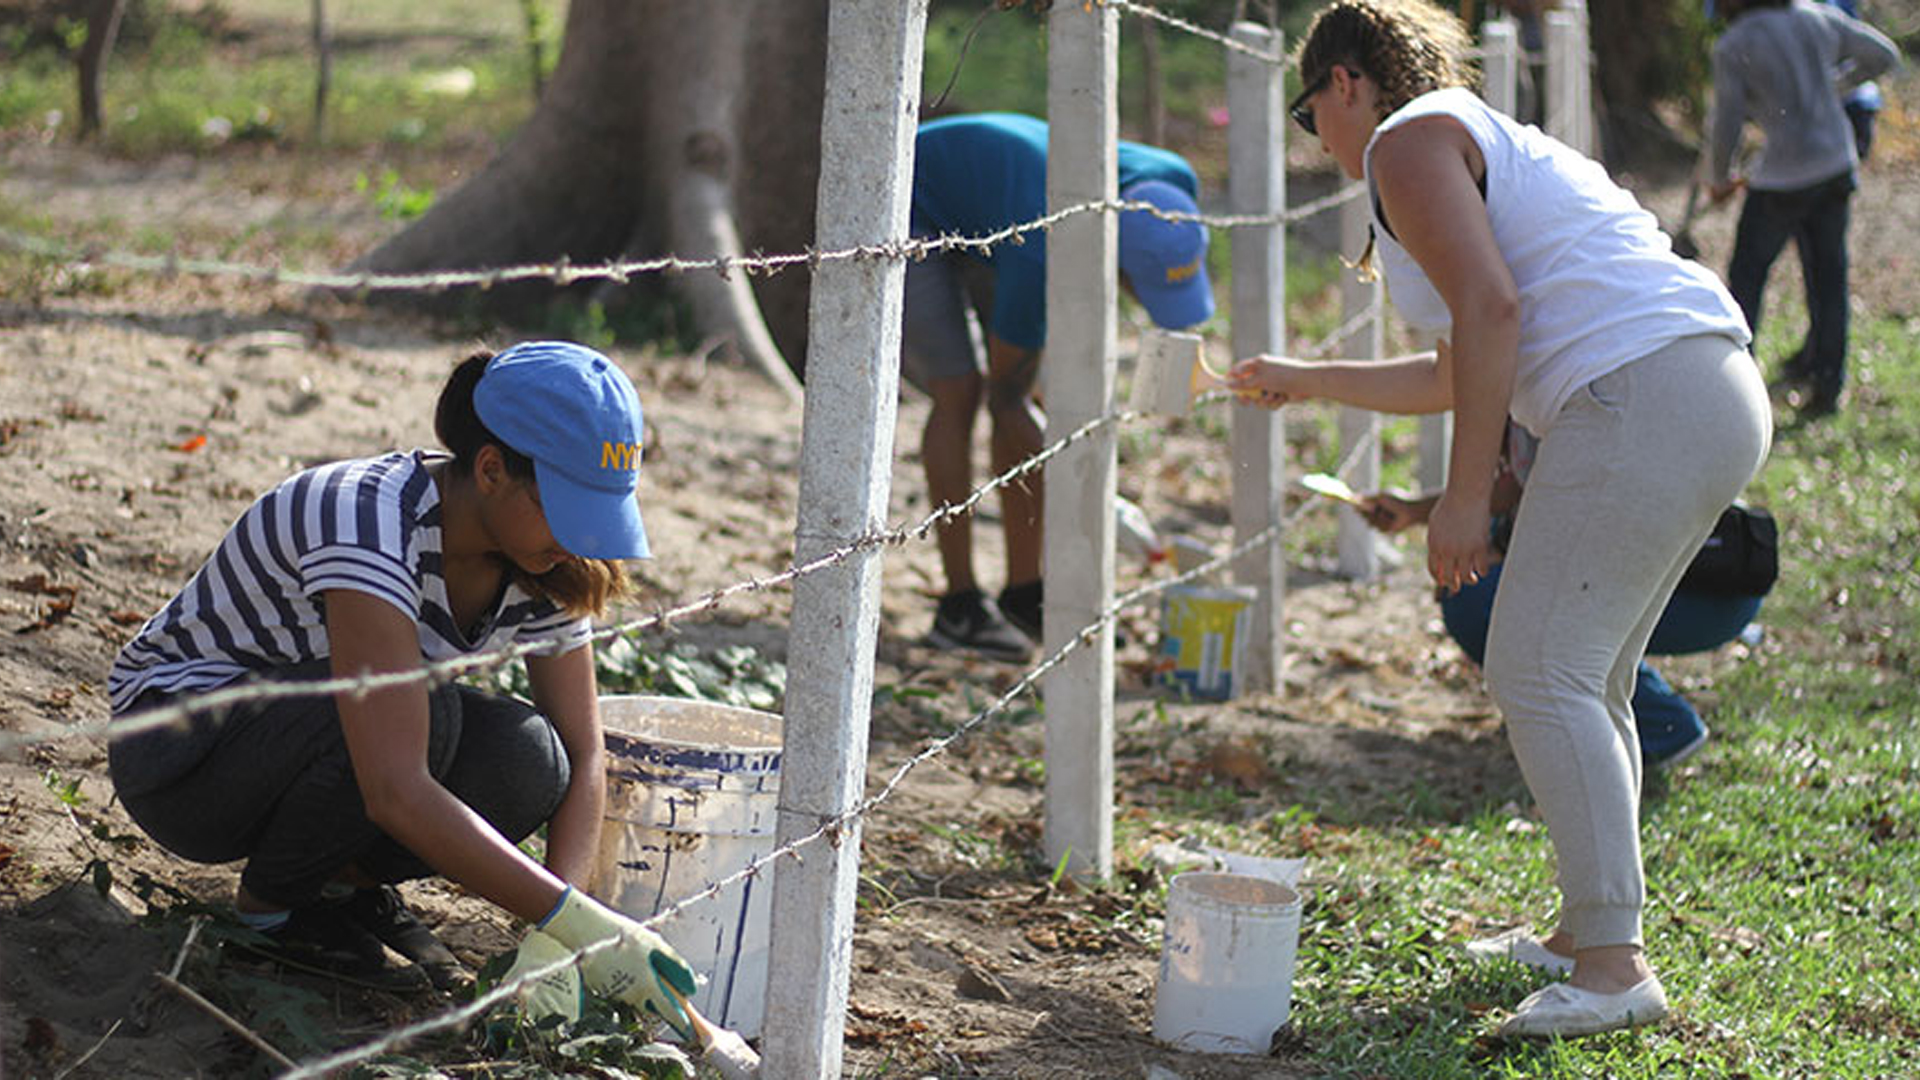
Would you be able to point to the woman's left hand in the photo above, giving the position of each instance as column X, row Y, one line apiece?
column 1459, row 550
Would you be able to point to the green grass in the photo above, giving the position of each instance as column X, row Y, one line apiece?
column 1783, row 872
column 190, row 84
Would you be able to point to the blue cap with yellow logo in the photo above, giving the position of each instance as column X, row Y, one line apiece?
column 1166, row 261
column 577, row 416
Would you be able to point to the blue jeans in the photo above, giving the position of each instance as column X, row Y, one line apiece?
column 1692, row 622
column 1815, row 217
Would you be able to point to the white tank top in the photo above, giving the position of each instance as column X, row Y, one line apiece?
column 1599, row 283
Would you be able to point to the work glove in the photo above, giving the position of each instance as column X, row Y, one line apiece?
column 641, row 970
column 556, row 993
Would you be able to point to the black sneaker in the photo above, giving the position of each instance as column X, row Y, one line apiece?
column 1022, row 606
column 324, row 939
column 969, row 622
column 1820, row 402
column 382, row 913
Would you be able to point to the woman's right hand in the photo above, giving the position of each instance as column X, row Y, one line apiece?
column 1269, row 381
column 640, row 968
column 1459, row 548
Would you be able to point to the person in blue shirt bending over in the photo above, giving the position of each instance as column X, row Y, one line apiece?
column 975, row 175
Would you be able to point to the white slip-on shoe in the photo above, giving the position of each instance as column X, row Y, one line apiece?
column 1566, row 1010
column 1520, row 946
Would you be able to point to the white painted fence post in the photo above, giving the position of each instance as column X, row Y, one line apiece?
column 1500, row 64
column 1359, row 544
column 1564, row 72
column 1257, row 185
column 874, row 56
column 1583, row 77
column 1083, row 71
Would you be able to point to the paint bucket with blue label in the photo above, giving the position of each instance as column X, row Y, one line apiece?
column 1203, row 637
column 693, row 793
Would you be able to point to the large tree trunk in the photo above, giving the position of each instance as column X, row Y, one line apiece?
column 670, row 127
column 1645, row 52
column 103, row 26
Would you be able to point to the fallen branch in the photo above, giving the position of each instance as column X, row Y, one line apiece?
column 170, row 980
column 68, row 1071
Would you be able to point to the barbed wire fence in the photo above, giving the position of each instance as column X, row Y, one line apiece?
column 829, row 828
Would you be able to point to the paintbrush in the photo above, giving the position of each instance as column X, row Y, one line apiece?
column 1333, row 488
column 726, row 1050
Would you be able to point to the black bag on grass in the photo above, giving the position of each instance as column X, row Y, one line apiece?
column 1741, row 558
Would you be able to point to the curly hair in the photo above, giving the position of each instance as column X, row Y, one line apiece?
column 1407, row 47
column 578, row 586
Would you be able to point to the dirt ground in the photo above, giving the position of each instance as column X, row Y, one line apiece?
column 140, row 414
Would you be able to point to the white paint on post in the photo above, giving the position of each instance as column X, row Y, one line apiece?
column 1500, row 64
column 1563, row 99
column 846, row 462
column 1257, row 185
column 1078, row 382
column 1583, row 77
column 1359, row 544
column 1436, row 446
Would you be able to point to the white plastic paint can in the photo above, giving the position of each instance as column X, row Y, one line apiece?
column 693, row 793
column 1226, row 964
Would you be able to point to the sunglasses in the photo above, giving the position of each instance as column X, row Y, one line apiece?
column 1302, row 112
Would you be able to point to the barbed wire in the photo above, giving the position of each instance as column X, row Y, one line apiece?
column 1146, row 11
column 562, row 271
column 179, row 712
column 833, row 827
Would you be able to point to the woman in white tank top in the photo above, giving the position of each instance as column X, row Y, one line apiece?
column 1554, row 298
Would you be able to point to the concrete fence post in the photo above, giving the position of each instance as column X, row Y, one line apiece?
column 1563, row 73
column 1500, row 64
column 1359, row 545
column 846, row 466
column 1078, row 381
column 1257, row 185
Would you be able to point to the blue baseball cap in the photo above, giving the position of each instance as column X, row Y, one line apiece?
column 1166, row 261
column 577, row 416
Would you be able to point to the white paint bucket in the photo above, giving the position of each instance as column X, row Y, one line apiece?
column 693, row 792
column 1226, row 967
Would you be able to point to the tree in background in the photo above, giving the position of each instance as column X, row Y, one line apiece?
column 1647, row 52
column 668, row 126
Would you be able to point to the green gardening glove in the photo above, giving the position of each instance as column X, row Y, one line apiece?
column 556, row 993
column 639, row 970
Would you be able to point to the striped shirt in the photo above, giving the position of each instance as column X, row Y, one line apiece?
column 370, row 525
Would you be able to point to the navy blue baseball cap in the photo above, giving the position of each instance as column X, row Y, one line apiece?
column 1166, row 261
column 575, row 413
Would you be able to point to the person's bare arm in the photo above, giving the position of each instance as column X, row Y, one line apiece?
column 1406, row 385
column 386, row 733
column 1425, row 173
column 565, row 693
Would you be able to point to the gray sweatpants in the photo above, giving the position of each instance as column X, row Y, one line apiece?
column 272, row 783
column 1626, row 487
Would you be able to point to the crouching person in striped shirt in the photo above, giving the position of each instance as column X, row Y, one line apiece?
column 370, row 567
